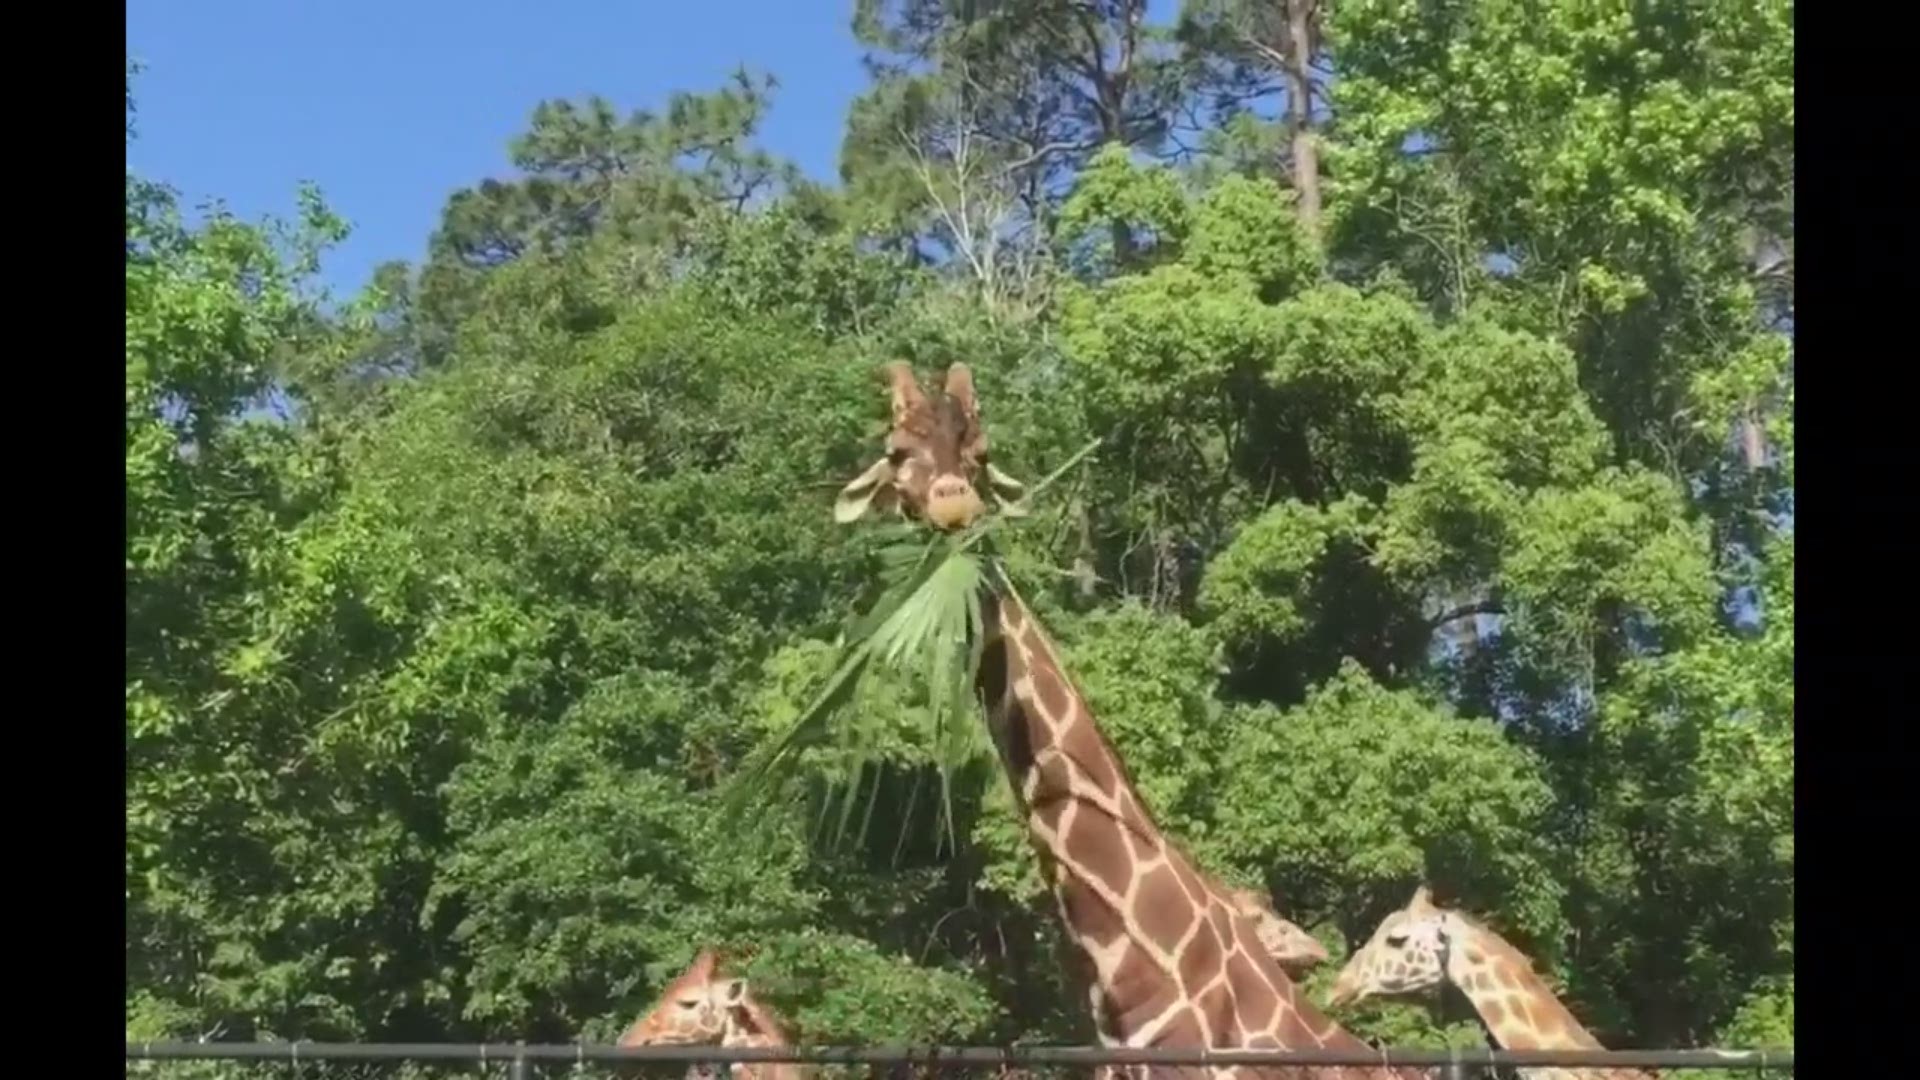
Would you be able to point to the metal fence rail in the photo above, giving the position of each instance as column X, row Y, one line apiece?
column 518, row 1055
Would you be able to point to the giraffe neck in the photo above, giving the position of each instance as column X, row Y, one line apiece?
column 1172, row 962
column 1519, row 1009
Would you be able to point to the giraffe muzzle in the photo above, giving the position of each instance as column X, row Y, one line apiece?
column 952, row 503
column 1343, row 993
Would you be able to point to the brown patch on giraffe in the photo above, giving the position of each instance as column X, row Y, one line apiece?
column 1139, row 991
column 1143, row 849
column 994, row 683
column 1221, row 920
column 1134, row 817
column 1041, row 734
column 1048, row 814
column 1054, row 779
column 1506, row 976
column 1252, row 994
column 1215, row 1008
column 1091, row 842
column 1080, row 741
column 1189, row 880
column 1183, row 1030
column 1475, row 956
column 1476, row 981
column 1493, row 1011
column 1048, row 689
column 1088, row 915
column 1161, row 909
column 1200, row 959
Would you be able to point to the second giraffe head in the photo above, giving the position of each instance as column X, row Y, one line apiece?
column 936, row 464
column 692, row 1010
column 1410, row 951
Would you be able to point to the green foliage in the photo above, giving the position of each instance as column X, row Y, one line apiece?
column 1455, row 546
column 1116, row 198
column 1148, row 677
column 1765, row 1019
column 1265, row 585
column 1242, row 228
column 1360, row 790
column 1628, row 161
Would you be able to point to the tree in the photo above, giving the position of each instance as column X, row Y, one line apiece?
column 1451, row 540
column 1031, row 91
column 1250, row 50
column 589, row 177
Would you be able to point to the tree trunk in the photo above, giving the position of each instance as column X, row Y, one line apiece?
column 1306, row 161
column 1753, row 438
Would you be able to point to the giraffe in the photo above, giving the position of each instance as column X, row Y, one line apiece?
column 1296, row 951
column 699, row 1008
column 1423, row 945
column 1170, row 959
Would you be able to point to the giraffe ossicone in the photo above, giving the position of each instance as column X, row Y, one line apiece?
column 1171, row 957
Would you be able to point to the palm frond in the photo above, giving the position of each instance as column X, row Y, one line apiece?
column 928, row 620
column 890, row 629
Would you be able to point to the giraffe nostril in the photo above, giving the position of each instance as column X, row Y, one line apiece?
column 951, row 502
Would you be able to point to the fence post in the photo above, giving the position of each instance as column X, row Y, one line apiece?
column 518, row 1070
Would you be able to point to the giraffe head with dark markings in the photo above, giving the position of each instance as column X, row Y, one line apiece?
column 1410, row 951
column 936, row 464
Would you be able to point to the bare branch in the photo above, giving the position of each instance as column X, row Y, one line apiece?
column 1044, row 151
column 1267, row 52
column 1455, row 614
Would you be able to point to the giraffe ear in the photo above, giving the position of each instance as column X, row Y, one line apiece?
column 907, row 395
column 859, row 494
column 1422, row 902
column 733, row 992
column 1006, row 491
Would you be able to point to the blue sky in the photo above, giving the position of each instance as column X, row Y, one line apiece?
column 390, row 107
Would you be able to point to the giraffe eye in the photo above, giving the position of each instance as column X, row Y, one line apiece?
column 1395, row 941
column 689, row 1003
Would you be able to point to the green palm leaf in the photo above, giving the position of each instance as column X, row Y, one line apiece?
column 927, row 620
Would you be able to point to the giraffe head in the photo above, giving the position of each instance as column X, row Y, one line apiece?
column 1295, row 950
column 693, row 1010
column 1410, row 951
column 936, row 462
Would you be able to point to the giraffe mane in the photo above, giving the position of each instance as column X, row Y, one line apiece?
column 1491, row 940
column 1496, row 946
column 1050, row 651
column 1219, row 889
column 763, row 1019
